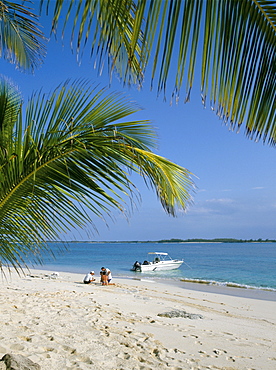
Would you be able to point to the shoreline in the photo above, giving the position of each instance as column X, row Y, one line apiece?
column 250, row 293
column 235, row 291
column 262, row 293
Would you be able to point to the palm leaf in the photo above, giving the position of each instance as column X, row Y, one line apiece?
column 73, row 163
column 10, row 101
column 21, row 38
column 108, row 28
column 233, row 41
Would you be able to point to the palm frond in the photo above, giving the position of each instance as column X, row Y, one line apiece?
column 21, row 40
column 70, row 160
column 232, row 41
column 243, row 80
column 237, row 58
column 10, row 101
column 108, row 28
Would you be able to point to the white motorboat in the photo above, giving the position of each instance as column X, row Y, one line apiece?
column 161, row 261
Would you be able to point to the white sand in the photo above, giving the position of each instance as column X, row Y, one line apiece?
column 63, row 324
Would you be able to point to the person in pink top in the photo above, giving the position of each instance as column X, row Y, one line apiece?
column 106, row 276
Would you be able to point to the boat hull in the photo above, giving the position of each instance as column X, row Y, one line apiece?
column 159, row 266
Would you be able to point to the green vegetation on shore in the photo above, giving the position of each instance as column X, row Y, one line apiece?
column 216, row 240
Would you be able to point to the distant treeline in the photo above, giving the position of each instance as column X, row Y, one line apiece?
column 217, row 240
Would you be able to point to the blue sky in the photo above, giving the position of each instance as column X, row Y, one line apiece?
column 236, row 177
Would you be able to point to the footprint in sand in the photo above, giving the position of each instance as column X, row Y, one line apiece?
column 17, row 347
column 219, row 352
column 69, row 349
column 51, row 349
column 230, row 359
column 203, row 354
column 27, row 339
column 198, row 342
column 124, row 356
column 84, row 359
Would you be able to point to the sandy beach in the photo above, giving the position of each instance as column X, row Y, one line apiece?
column 61, row 323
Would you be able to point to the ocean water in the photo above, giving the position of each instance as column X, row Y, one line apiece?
column 247, row 265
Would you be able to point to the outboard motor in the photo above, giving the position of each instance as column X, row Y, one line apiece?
column 137, row 266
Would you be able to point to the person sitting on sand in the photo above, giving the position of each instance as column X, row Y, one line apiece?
column 105, row 276
column 89, row 278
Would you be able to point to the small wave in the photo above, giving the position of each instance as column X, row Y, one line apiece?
column 227, row 284
column 175, row 279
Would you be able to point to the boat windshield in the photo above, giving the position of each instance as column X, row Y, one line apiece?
column 159, row 253
column 160, row 256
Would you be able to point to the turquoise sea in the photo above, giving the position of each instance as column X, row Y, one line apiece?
column 245, row 265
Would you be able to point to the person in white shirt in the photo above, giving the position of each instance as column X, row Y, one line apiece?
column 89, row 278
